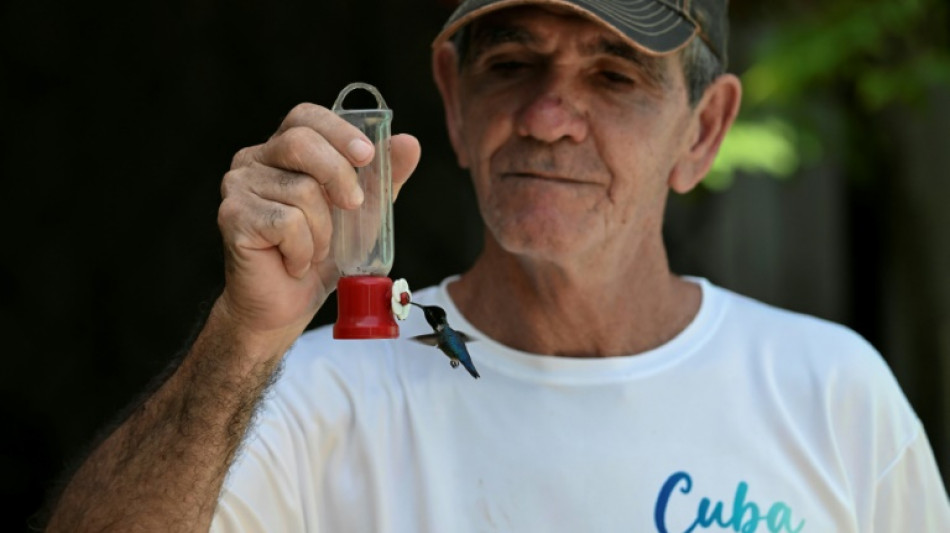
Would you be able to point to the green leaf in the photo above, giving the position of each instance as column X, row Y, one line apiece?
column 767, row 146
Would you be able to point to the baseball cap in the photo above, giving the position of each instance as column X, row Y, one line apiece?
column 656, row 27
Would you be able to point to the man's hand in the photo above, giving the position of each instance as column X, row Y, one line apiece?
column 275, row 217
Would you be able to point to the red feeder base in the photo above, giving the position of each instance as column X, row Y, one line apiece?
column 364, row 308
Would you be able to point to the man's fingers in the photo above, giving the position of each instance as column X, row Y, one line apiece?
column 346, row 138
column 405, row 156
column 303, row 150
column 251, row 224
column 246, row 156
column 292, row 189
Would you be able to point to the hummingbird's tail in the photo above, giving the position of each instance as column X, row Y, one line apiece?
column 471, row 368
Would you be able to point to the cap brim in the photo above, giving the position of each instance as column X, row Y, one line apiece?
column 648, row 25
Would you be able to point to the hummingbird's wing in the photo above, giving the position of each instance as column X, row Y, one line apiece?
column 430, row 339
column 464, row 337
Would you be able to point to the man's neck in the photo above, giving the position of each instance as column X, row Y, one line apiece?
column 544, row 308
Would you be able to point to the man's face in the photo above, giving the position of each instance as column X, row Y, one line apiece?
column 569, row 133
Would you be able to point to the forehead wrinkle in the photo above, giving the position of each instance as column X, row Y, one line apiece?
column 486, row 36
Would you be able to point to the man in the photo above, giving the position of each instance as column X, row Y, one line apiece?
column 615, row 395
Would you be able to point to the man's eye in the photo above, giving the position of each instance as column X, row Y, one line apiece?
column 508, row 66
column 616, row 77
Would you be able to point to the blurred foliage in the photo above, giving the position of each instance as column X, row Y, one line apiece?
column 867, row 54
column 768, row 145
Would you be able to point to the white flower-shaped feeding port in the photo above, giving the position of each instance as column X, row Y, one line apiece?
column 401, row 298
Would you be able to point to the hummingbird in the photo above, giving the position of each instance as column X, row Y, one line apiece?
column 451, row 342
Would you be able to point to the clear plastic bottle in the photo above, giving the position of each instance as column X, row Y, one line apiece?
column 363, row 238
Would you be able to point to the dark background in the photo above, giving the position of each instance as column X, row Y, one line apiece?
column 119, row 120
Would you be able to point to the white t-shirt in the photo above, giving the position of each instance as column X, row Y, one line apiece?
column 751, row 419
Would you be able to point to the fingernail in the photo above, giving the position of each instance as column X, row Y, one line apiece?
column 359, row 150
column 356, row 197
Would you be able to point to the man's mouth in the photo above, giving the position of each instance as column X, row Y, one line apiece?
column 544, row 176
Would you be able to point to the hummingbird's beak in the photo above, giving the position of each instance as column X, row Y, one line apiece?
column 417, row 305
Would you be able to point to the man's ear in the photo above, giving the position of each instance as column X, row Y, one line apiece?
column 445, row 69
column 712, row 118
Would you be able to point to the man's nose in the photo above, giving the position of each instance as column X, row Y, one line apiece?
column 553, row 115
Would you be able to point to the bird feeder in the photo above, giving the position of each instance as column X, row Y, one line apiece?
column 362, row 243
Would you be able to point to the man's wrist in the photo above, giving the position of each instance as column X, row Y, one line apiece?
column 250, row 345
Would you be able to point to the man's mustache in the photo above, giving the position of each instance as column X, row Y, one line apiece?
column 563, row 159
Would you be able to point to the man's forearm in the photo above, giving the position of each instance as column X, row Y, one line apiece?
column 163, row 468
